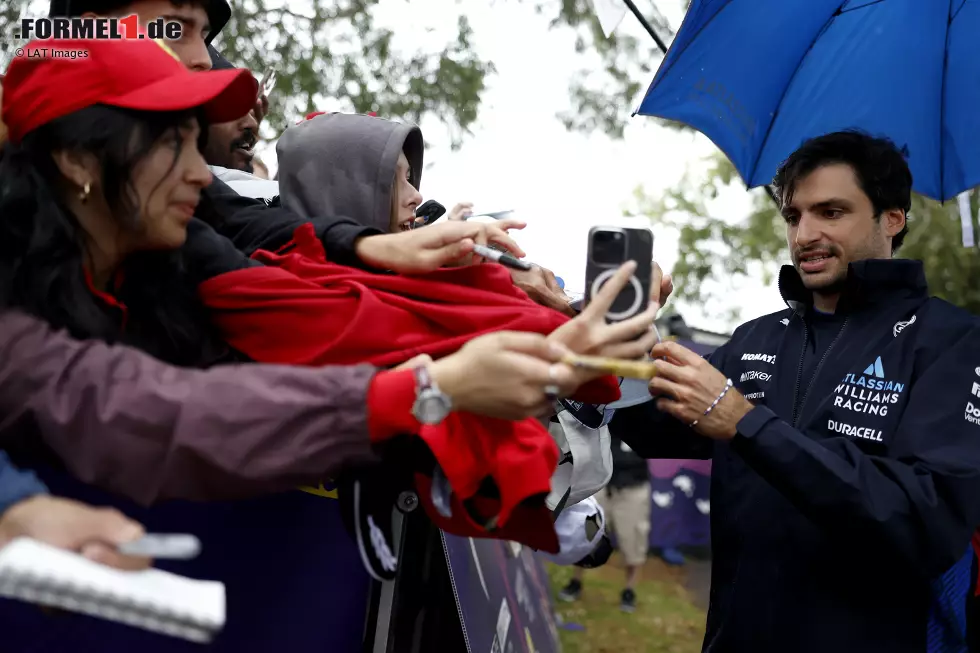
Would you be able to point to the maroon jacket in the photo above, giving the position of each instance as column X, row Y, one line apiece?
column 130, row 424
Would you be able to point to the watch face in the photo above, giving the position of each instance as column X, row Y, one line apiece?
column 431, row 409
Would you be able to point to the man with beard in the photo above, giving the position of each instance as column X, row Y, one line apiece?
column 230, row 145
column 844, row 431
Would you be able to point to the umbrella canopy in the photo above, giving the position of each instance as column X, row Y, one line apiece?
column 758, row 77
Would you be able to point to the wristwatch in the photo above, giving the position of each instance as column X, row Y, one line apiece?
column 432, row 405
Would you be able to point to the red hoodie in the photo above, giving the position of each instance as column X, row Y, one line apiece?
column 321, row 313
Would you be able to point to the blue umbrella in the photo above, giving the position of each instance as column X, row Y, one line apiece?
column 758, row 77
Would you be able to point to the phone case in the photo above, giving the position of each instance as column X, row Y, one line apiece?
column 635, row 297
column 431, row 210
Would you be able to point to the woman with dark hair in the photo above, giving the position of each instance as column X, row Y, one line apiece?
column 86, row 190
column 83, row 194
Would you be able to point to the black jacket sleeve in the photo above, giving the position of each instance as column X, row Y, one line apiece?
column 207, row 254
column 922, row 504
column 653, row 434
column 251, row 224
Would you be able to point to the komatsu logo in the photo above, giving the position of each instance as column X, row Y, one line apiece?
column 764, row 358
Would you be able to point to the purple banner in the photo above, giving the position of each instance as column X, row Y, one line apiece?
column 504, row 597
column 680, row 509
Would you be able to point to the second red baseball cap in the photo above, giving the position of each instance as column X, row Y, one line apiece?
column 54, row 78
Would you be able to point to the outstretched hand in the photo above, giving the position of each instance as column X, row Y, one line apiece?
column 261, row 108
column 93, row 532
column 438, row 245
column 461, row 211
column 590, row 334
column 661, row 286
column 542, row 287
column 505, row 374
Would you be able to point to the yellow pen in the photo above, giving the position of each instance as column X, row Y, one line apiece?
column 643, row 370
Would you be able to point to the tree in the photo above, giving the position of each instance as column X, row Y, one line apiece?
column 602, row 99
column 336, row 49
column 727, row 252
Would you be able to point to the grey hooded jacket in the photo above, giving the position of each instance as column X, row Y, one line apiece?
column 344, row 164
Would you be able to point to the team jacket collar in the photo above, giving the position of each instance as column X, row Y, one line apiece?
column 868, row 282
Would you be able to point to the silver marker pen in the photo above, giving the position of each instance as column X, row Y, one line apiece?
column 169, row 547
column 503, row 258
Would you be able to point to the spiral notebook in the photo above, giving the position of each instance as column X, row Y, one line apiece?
column 151, row 599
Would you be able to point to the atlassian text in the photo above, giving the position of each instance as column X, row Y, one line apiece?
column 863, row 394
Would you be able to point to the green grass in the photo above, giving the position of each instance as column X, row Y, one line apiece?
column 665, row 621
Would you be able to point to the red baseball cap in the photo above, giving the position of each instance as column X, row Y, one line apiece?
column 142, row 74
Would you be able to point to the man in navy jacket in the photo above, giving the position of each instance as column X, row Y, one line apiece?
column 844, row 430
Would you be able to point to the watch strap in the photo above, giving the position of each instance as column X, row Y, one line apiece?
column 423, row 380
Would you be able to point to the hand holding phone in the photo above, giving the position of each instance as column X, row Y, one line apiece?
column 609, row 248
column 592, row 334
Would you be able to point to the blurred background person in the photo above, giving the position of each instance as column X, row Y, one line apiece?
column 626, row 503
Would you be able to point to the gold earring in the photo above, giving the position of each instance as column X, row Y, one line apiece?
column 83, row 196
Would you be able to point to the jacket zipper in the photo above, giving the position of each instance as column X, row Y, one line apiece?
column 798, row 407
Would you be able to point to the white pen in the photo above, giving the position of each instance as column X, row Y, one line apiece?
column 503, row 258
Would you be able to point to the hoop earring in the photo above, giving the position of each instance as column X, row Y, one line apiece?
column 86, row 189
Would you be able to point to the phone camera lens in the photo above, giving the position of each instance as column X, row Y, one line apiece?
column 608, row 247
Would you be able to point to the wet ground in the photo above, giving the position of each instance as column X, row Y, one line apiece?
column 669, row 616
